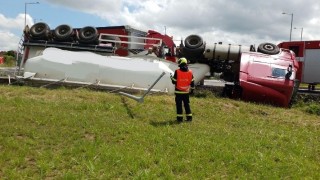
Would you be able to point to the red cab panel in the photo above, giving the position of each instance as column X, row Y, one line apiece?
column 268, row 78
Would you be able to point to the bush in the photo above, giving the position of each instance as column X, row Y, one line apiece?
column 313, row 108
column 9, row 60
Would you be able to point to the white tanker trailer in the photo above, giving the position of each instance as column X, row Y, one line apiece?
column 112, row 72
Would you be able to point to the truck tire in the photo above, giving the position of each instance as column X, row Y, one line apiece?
column 63, row 32
column 40, row 31
column 196, row 53
column 193, row 41
column 268, row 48
column 88, row 35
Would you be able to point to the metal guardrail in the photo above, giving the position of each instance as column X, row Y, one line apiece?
column 105, row 37
column 70, row 46
column 101, row 46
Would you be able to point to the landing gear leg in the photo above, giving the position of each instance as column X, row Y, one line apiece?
column 311, row 87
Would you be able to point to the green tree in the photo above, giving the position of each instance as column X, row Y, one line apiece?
column 11, row 53
column 9, row 58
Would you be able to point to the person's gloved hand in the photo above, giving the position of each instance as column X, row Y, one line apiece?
column 191, row 91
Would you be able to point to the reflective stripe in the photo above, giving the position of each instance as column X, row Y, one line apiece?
column 179, row 115
column 189, row 114
column 181, row 92
column 173, row 79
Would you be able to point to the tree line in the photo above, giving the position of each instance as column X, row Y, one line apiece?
column 9, row 58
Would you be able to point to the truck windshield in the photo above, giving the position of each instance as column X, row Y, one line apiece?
column 279, row 73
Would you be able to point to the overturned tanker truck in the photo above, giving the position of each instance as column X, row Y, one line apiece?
column 127, row 58
column 266, row 75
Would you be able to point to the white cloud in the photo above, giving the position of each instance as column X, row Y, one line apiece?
column 8, row 41
column 12, row 23
column 106, row 9
column 247, row 21
column 314, row 21
column 240, row 22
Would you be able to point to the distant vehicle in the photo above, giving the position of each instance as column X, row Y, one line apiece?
column 1, row 60
column 308, row 56
column 267, row 75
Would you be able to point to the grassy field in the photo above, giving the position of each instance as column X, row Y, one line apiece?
column 305, row 86
column 82, row 134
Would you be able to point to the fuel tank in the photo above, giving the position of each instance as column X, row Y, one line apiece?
column 220, row 51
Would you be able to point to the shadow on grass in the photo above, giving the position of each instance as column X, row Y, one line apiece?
column 164, row 123
column 126, row 106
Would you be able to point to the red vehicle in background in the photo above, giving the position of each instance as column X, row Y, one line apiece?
column 308, row 56
column 1, row 60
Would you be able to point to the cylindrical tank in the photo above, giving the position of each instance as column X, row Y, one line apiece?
column 113, row 71
column 219, row 51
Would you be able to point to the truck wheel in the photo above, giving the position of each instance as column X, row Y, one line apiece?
column 193, row 41
column 40, row 31
column 268, row 48
column 88, row 34
column 188, row 52
column 63, row 32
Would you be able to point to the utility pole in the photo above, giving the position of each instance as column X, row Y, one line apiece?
column 25, row 11
column 291, row 14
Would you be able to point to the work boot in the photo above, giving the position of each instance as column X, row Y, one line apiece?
column 179, row 119
column 189, row 118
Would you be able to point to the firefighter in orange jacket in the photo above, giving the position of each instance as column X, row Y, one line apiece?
column 184, row 85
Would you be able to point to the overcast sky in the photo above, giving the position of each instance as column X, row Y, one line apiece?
column 243, row 22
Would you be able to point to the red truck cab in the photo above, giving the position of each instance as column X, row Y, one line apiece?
column 266, row 75
column 269, row 78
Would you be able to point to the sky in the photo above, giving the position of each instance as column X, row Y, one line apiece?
column 245, row 22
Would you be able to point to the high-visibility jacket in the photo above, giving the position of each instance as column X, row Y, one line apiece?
column 183, row 81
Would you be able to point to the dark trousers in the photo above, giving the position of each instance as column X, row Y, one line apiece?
column 183, row 98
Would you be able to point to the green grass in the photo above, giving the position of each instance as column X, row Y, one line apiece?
column 305, row 86
column 82, row 134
